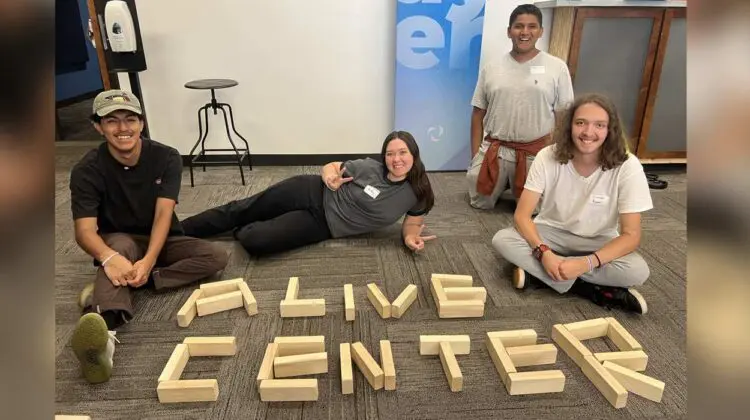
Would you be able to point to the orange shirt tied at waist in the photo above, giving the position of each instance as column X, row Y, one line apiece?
column 490, row 169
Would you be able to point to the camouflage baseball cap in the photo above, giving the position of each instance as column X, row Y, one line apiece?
column 114, row 100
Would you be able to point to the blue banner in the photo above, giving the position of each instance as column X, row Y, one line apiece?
column 438, row 45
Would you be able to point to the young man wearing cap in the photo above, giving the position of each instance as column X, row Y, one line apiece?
column 123, row 195
column 514, row 103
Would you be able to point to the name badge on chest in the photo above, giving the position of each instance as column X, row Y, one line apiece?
column 537, row 70
column 372, row 191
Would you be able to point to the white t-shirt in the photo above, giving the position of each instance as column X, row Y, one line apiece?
column 587, row 206
column 520, row 98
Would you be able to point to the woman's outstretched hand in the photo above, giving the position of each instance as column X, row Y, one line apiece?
column 336, row 180
column 416, row 241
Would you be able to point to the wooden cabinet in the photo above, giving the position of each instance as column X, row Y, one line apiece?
column 637, row 57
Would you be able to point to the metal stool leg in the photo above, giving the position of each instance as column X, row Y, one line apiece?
column 204, row 108
column 236, row 152
column 247, row 146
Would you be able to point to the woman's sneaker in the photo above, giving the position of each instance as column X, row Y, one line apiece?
column 520, row 278
column 94, row 346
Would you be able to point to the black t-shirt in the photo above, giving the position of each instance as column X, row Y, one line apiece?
column 123, row 198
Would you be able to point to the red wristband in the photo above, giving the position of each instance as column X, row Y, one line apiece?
column 539, row 251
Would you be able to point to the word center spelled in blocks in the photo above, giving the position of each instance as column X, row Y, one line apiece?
column 291, row 307
column 387, row 309
column 289, row 357
column 215, row 297
column 518, row 348
column 172, row 389
column 447, row 347
column 613, row 373
column 456, row 298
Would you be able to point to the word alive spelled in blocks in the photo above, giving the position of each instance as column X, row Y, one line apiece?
column 518, row 348
column 447, row 347
column 613, row 373
column 215, row 297
column 394, row 309
column 172, row 389
column 456, row 298
column 292, row 307
column 288, row 357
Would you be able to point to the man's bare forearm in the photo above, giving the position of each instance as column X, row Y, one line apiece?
column 159, row 233
column 528, row 231
column 93, row 244
column 477, row 129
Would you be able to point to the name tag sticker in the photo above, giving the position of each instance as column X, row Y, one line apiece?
column 537, row 69
column 372, row 191
column 599, row 199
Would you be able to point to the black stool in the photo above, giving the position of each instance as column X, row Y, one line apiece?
column 202, row 158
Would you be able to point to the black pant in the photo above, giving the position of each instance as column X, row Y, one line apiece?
column 285, row 216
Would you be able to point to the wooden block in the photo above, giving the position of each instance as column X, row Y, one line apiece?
column 466, row 293
column 349, row 310
column 540, row 382
column 211, row 346
column 403, row 301
column 188, row 390
column 300, row 364
column 176, row 363
column 187, row 313
column 367, row 365
column 71, row 417
column 438, row 294
column 591, row 328
column 533, row 355
column 461, row 309
column 453, row 280
column 603, row 380
column 220, row 287
column 570, row 345
column 430, row 344
column 386, row 363
column 292, row 289
column 501, row 360
column 637, row 383
column 378, row 300
column 289, row 390
column 302, row 308
column 219, row 303
column 266, row 366
column 303, row 344
column 621, row 337
column 251, row 305
column 634, row 360
column 347, row 376
column 450, row 367
column 513, row 338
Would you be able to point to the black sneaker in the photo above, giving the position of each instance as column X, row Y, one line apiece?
column 620, row 297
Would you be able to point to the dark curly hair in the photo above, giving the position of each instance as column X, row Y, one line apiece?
column 614, row 150
column 417, row 175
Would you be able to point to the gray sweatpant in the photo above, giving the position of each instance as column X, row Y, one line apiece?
column 504, row 180
column 630, row 270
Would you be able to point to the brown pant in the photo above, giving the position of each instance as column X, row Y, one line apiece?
column 183, row 260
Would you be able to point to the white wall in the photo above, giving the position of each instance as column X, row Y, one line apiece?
column 495, row 40
column 316, row 77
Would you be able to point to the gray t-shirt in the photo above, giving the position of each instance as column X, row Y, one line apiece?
column 352, row 209
column 520, row 98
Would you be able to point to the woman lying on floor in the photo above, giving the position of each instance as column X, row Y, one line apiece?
column 588, row 183
column 348, row 198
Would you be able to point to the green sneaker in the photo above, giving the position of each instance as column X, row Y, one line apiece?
column 86, row 297
column 94, row 346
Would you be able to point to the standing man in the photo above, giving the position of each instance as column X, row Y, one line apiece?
column 123, row 196
column 514, row 102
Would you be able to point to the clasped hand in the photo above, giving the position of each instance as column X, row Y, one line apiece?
column 564, row 269
column 122, row 272
column 416, row 241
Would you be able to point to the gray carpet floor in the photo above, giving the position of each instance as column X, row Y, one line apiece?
column 463, row 247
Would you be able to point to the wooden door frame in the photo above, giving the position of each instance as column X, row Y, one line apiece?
column 642, row 150
column 657, row 14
